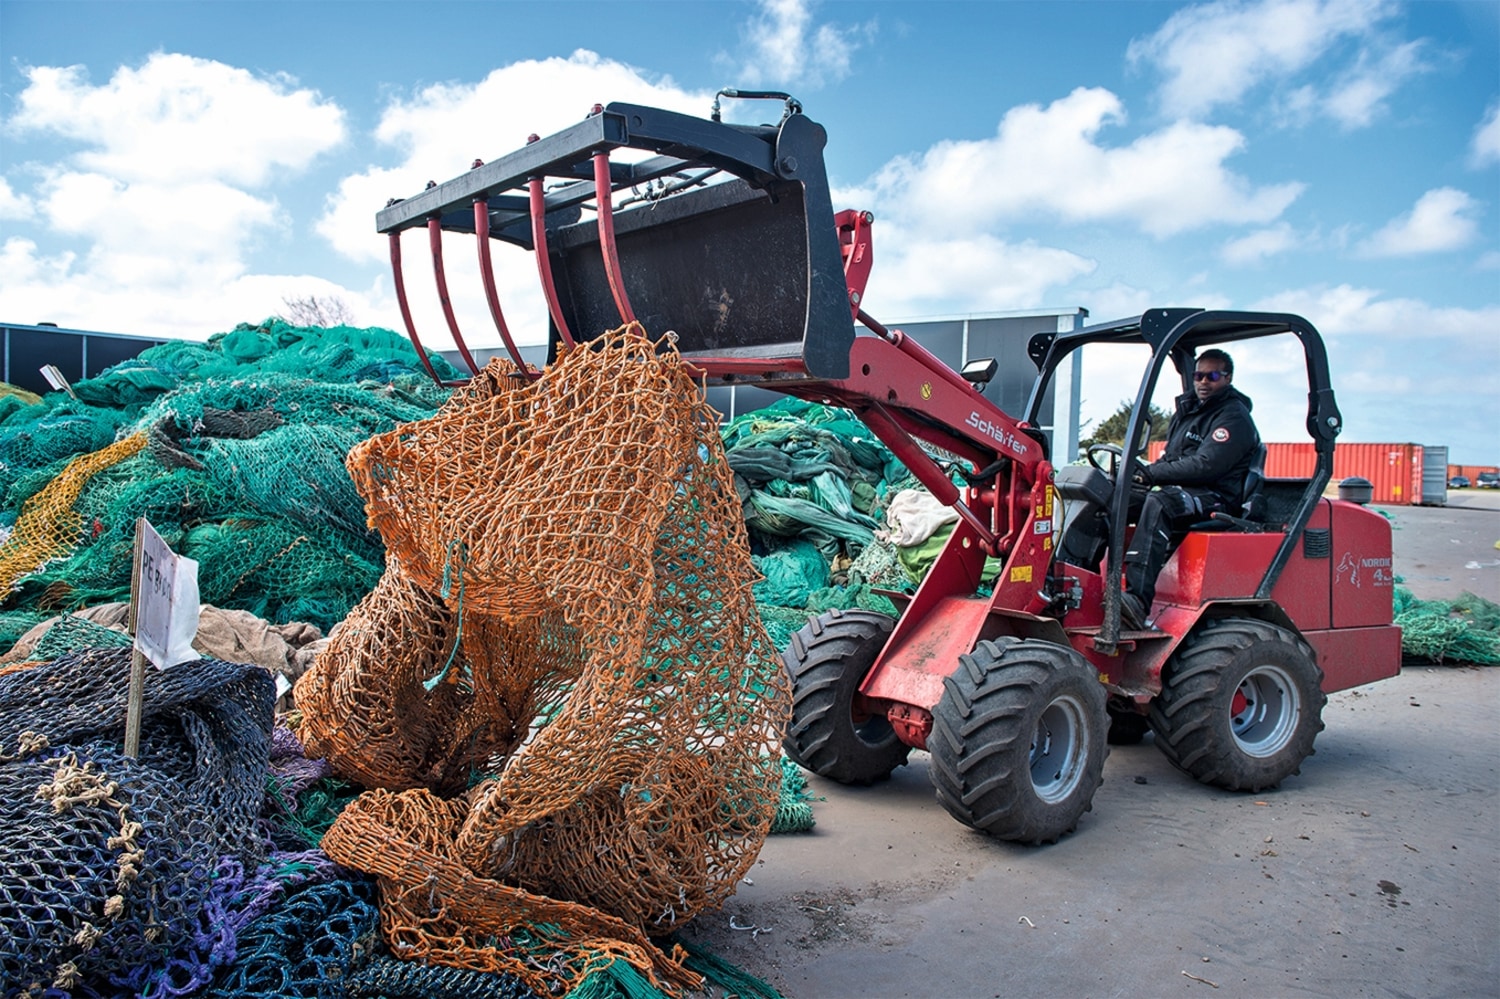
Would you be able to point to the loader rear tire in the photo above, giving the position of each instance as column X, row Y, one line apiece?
column 1241, row 703
column 1018, row 740
column 831, row 733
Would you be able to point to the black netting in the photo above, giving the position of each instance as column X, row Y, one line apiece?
column 110, row 865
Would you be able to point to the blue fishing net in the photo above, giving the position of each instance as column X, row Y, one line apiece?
column 110, row 863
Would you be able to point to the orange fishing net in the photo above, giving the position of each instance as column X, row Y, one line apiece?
column 49, row 525
column 562, row 671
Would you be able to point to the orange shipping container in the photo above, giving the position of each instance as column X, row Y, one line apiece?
column 1395, row 470
column 1471, row 472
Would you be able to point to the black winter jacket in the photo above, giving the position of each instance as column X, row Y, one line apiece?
column 1210, row 445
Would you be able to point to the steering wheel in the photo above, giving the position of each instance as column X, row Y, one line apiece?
column 1115, row 452
column 1116, row 457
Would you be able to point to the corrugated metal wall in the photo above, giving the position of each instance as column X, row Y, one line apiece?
column 78, row 354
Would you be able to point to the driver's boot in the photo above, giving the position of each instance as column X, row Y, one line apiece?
column 1140, row 588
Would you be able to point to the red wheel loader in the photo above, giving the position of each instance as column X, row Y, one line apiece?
column 725, row 234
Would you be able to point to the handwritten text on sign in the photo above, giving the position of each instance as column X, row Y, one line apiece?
column 166, row 602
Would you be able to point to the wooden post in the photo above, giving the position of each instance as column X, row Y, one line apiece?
column 137, row 658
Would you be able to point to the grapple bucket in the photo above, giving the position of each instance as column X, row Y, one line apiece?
column 725, row 236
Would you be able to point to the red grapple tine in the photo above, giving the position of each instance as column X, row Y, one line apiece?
column 543, row 262
column 435, row 241
column 487, row 274
column 411, row 327
column 607, row 237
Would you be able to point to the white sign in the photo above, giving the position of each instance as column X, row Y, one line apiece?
column 166, row 608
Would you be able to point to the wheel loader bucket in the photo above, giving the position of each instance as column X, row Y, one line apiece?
column 724, row 235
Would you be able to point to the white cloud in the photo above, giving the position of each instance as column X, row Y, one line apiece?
column 1399, row 364
column 179, row 118
column 1217, row 53
column 1259, row 245
column 1442, row 219
column 13, row 205
column 434, row 134
column 1357, row 98
column 1345, row 310
column 151, row 222
column 787, row 49
column 89, row 294
column 1116, row 302
column 1485, row 147
column 1048, row 161
column 922, row 274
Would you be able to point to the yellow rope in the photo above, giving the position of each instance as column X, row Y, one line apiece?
column 48, row 525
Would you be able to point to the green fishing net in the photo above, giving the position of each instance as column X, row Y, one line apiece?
column 243, row 470
column 1465, row 630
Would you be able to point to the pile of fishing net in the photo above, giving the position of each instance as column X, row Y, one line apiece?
column 191, row 869
column 1465, row 630
column 558, row 692
column 194, row 870
column 233, row 449
column 286, row 650
column 814, row 485
column 112, row 865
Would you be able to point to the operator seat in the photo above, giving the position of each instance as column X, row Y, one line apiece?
column 1252, row 512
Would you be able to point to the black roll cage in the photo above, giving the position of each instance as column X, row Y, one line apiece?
column 1177, row 334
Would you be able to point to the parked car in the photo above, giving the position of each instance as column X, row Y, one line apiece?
column 1488, row 480
column 1458, row 482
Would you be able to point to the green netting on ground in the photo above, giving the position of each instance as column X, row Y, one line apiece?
column 243, row 471
column 791, row 574
column 71, row 634
column 1465, row 630
column 37, row 441
column 810, row 472
column 814, row 484
column 794, row 812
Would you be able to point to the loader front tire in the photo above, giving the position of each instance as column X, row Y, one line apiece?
column 832, row 733
column 1241, row 703
column 1018, row 740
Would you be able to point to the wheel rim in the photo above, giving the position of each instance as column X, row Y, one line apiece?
column 1059, row 747
column 868, row 727
column 1264, row 711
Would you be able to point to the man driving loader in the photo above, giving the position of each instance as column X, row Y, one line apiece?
column 1211, row 442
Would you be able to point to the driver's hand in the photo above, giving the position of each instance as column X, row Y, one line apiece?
column 1141, row 476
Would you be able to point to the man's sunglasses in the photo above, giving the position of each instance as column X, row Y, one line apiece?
column 1209, row 376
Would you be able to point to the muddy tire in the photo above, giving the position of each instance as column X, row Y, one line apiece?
column 1241, row 703
column 831, row 734
column 1018, row 740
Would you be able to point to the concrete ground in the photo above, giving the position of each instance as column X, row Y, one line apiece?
column 1376, row 872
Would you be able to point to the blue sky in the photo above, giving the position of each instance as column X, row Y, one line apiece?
column 172, row 169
